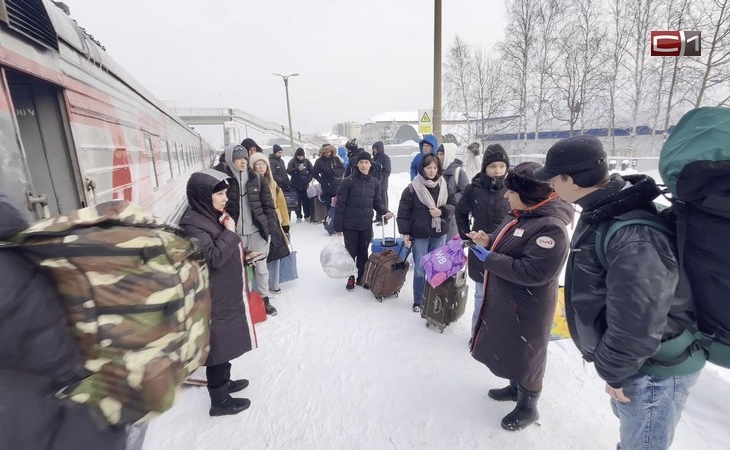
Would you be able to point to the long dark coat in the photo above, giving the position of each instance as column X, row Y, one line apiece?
column 230, row 330
column 484, row 201
column 38, row 356
column 328, row 171
column 279, row 173
column 521, row 288
column 300, row 178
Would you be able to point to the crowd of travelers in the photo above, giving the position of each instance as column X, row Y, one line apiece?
column 516, row 218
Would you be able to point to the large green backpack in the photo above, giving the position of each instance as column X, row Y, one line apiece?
column 135, row 294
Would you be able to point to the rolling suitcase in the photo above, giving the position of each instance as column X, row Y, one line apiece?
column 385, row 273
column 446, row 303
column 318, row 210
column 389, row 243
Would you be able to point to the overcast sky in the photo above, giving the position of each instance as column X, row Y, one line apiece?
column 355, row 58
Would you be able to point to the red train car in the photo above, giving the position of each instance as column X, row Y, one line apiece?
column 76, row 129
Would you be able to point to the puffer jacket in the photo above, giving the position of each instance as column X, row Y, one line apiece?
column 414, row 218
column 619, row 318
column 483, row 200
column 38, row 356
column 300, row 178
column 357, row 197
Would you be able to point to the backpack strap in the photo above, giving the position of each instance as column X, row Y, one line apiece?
column 606, row 230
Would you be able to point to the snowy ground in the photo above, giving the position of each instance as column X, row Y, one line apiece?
column 338, row 370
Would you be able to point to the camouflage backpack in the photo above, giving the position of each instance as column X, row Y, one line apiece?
column 135, row 294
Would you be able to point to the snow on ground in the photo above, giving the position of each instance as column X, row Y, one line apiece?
column 338, row 370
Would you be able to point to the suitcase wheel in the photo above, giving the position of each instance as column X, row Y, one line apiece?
column 428, row 325
column 380, row 299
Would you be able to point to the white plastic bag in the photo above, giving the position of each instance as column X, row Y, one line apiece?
column 336, row 260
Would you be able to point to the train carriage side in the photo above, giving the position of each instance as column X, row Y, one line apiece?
column 78, row 130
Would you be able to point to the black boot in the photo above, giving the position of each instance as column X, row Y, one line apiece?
column 506, row 394
column 525, row 413
column 270, row 310
column 222, row 404
column 234, row 386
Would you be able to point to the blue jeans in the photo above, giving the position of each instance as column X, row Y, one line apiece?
column 478, row 298
column 649, row 421
column 273, row 267
column 420, row 247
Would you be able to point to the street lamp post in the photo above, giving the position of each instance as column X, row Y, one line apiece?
column 288, row 109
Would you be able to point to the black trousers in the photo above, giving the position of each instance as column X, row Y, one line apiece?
column 303, row 203
column 217, row 375
column 384, row 196
column 357, row 242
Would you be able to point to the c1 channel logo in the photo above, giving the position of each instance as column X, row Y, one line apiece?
column 676, row 43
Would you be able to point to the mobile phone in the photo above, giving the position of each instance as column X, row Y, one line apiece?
column 469, row 243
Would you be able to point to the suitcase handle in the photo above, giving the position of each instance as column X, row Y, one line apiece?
column 402, row 264
column 382, row 228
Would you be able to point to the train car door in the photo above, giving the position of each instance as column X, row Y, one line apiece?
column 44, row 135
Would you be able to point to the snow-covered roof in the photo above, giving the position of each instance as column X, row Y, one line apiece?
column 397, row 116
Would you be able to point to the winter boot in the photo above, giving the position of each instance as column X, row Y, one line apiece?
column 270, row 310
column 525, row 413
column 222, row 404
column 234, row 385
column 505, row 394
column 350, row 283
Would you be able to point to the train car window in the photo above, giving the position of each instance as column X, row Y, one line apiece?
column 151, row 162
column 177, row 157
column 166, row 160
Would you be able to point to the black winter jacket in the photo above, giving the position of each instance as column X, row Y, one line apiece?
column 300, row 178
column 414, row 219
column 357, row 197
column 279, row 173
column 484, row 201
column 619, row 318
column 328, row 171
column 38, row 356
column 230, row 335
column 259, row 198
column 384, row 160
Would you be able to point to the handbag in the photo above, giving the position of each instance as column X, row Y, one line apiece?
column 292, row 200
column 288, row 267
column 314, row 190
column 444, row 261
column 256, row 307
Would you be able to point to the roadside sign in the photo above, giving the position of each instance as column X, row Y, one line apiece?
column 425, row 121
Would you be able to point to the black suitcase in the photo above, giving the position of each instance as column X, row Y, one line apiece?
column 318, row 210
column 445, row 303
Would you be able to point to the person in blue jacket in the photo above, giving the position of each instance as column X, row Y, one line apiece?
column 427, row 145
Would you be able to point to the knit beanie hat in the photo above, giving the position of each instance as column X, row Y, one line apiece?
column 494, row 153
column 299, row 152
column 364, row 156
column 276, row 149
column 522, row 180
column 239, row 152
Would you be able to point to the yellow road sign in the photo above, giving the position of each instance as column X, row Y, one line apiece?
column 425, row 125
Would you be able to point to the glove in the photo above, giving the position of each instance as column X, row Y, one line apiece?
column 285, row 228
column 481, row 252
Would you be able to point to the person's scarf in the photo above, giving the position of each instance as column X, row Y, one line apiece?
column 421, row 186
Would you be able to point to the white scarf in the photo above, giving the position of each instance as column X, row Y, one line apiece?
column 421, row 186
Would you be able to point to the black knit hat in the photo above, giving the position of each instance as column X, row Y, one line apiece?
column 364, row 155
column 299, row 152
column 581, row 157
column 522, row 180
column 276, row 148
column 494, row 153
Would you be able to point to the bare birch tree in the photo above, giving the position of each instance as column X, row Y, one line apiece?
column 716, row 63
column 458, row 83
column 517, row 51
column 546, row 45
column 490, row 94
column 618, row 39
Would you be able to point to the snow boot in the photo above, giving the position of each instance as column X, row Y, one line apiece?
column 270, row 310
column 234, row 385
column 222, row 404
column 506, row 394
column 525, row 413
column 350, row 283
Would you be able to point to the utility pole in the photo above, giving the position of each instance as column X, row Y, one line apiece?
column 437, row 71
column 288, row 108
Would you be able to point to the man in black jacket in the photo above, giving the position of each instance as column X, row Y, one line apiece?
column 278, row 169
column 300, row 170
column 630, row 318
column 38, row 357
